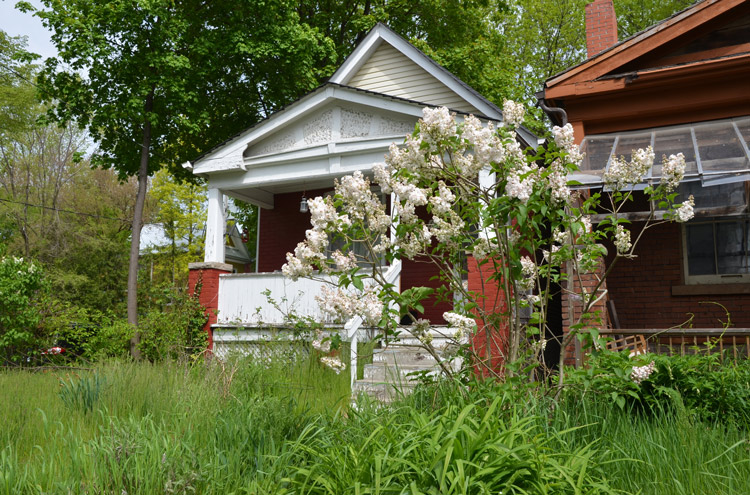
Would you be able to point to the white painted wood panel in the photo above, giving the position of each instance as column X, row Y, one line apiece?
column 390, row 72
column 241, row 298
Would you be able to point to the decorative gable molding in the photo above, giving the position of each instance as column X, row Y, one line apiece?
column 326, row 116
column 338, row 122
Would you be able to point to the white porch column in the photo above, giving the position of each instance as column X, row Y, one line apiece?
column 215, row 227
column 487, row 179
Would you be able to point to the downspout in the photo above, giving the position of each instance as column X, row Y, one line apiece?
column 551, row 110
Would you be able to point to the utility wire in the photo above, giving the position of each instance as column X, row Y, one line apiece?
column 64, row 211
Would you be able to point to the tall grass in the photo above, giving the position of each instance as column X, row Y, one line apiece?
column 281, row 423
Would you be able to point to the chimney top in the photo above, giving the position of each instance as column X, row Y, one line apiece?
column 601, row 26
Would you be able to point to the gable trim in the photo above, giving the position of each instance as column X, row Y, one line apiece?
column 381, row 33
column 229, row 156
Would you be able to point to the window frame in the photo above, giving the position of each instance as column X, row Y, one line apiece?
column 714, row 279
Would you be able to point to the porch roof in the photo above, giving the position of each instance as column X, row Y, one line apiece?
column 716, row 152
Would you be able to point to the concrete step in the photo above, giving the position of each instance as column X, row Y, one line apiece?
column 394, row 374
column 403, row 357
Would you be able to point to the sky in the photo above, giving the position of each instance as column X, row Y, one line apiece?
column 16, row 23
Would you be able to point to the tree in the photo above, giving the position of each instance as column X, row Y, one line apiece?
column 512, row 210
column 155, row 83
column 181, row 211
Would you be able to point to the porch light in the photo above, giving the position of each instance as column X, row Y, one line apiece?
column 303, row 205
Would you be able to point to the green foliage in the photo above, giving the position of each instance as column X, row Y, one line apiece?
column 461, row 448
column 172, row 323
column 181, row 211
column 699, row 383
column 81, row 394
column 249, row 426
column 22, row 284
column 633, row 16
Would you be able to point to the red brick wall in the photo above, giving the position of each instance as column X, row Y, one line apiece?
column 642, row 288
column 489, row 345
column 601, row 26
column 208, row 278
column 572, row 308
column 282, row 228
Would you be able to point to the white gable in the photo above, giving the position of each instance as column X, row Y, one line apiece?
column 386, row 63
column 390, row 72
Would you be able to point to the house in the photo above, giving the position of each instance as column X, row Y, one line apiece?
column 347, row 124
column 682, row 85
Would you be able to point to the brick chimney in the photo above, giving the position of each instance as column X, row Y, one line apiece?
column 601, row 26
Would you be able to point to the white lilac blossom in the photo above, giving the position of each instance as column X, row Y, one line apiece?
column 443, row 200
column 333, row 363
column 341, row 305
column 410, row 157
column 521, row 181
column 557, row 183
column 462, row 324
column 528, row 274
column 513, row 113
column 672, row 171
column 321, row 343
column 344, row 262
column 565, row 140
column 436, row 125
column 622, row 239
column 295, row 268
column 622, row 173
column 560, row 236
column 685, row 211
column 485, row 144
column 641, row 373
column 483, row 247
column 322, row 212
column 447, row 229
column 586, row 223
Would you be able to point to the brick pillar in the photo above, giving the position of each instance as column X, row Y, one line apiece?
column 601, row 26
column 572, row 306
column 490, row 342
column 207, row 276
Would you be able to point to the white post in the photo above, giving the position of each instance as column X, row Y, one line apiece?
column 486, row 181
column 215, row 227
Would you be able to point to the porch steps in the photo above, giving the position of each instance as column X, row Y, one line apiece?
column 392, row 370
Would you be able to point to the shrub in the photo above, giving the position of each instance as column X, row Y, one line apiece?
column 700, row 383
column 21, row 285
column 172, row 324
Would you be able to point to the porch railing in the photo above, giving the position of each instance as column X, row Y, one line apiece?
column 730, row 343
column 265, row 299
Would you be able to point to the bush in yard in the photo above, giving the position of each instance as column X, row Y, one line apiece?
column 700, row 383
column 172, row 324
column 22, row 284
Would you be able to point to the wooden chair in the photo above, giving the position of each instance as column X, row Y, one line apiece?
column 636, row 344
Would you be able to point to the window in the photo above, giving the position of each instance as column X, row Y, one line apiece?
column 717, row 250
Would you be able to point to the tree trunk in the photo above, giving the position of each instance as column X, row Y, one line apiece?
column 135, row 242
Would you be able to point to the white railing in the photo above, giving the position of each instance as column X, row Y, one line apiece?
column 254, row 299
column 243, row 299
column 392, row 276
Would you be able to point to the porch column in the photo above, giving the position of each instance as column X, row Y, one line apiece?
column 215, row 227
